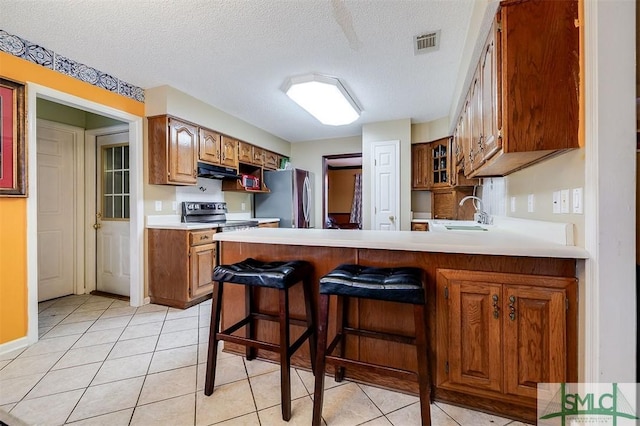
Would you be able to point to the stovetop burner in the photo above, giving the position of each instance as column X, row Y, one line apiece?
column 214, row 213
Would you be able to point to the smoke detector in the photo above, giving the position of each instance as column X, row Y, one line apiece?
column 426, row 42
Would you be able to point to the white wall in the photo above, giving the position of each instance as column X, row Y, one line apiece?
column 308, row 156
column 610, row 293
column 387, row 131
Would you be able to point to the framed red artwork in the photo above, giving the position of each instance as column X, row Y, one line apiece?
column 13, row 173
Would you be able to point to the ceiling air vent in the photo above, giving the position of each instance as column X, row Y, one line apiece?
column 427, row 42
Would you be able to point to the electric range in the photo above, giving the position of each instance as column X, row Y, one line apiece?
column 214, row 213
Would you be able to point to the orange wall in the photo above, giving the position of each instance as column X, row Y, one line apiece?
column 13, row 211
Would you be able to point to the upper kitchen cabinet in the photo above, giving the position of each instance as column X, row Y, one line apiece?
column 271, row 160
column 433, row 166
column 245, row 152
column 209, row 146
column 439, row 162
column 419, row 166
column 173, row 151
column 229, row 156
column 523, row 101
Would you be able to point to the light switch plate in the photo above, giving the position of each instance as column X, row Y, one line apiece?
column 564, row 201
column 577, row 200
column 513, row 204
column 174, row 206
column 158, row 205
column 531, row 203
column 556, row 202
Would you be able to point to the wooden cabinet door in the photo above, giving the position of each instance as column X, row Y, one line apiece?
column 438, row 164
column 475, row 121
column 535, row 338
column 229, row 147
column 489, row 142
column 183, row 149
column 209, row 146
column 271, row 160
column 419, row 166
column 442, row 205
column 473, row 356
column 245, row 153
column 257, row 156
column 202, row 262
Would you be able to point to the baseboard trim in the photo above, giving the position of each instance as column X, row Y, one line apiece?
column 13, row 345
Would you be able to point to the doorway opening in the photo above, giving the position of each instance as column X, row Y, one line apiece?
column 39, row 98
column 342, row 191
column 72, row 242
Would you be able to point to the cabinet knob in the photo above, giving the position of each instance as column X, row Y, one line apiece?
column 496, row 307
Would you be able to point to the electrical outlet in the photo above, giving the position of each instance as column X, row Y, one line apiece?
column 513, row 204
column 243, row 206
column 564, row 201
column 556, row 202
column 531, row 203
column 577, row 200
column 158, row 205
column 174, row 206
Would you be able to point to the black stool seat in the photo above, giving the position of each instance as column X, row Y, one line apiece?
column 389, row 284
column 263, row 274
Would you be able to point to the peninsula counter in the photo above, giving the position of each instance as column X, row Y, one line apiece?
column 502, row 307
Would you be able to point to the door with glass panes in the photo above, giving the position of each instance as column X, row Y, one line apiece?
column 112, row 214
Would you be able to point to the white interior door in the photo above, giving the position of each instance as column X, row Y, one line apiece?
column 112, row 214
column 56, row 189
column 386, row 185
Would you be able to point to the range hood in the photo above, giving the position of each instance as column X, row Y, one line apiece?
column 211, row 171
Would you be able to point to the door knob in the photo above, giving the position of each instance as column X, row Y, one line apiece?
column 392, row 218
column 97, row 226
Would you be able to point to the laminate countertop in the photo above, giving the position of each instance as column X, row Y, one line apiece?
column 495, row 241
column 173, row 222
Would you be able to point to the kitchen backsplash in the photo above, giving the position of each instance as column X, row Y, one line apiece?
column 494, row 194
column 205, row 190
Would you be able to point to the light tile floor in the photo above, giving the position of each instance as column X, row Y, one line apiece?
column 101, row 362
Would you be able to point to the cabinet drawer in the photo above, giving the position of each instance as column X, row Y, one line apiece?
column 419, row 226
column 197, row 238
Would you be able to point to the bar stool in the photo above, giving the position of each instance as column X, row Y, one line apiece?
column 277, row 275
column 402, row 285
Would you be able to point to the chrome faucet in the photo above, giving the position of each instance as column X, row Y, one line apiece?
column 480, row 215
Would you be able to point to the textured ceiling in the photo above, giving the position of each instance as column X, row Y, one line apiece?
column 236, row 54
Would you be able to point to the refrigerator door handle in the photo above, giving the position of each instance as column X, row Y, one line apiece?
column 306, row 202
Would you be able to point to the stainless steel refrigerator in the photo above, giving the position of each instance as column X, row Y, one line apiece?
column 290, row 199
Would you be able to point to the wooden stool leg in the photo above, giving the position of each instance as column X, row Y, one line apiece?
column 308, row 296
column 212, row 354
column 285, row 356
column 341, row 315
column 249, row 352
column 424, row 382
column 318, row 389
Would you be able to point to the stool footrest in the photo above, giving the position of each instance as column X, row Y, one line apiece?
column 249, row 342
column 375, row 368
column 390, row 337
column 379, row 369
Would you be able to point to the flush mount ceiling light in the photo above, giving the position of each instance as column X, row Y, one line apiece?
column 323, row 97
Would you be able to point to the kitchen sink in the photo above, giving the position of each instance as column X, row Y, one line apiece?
column 445, row 225
column 465, row 228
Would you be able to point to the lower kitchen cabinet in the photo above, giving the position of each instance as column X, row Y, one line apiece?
column 180, row 266
column 504, row 334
